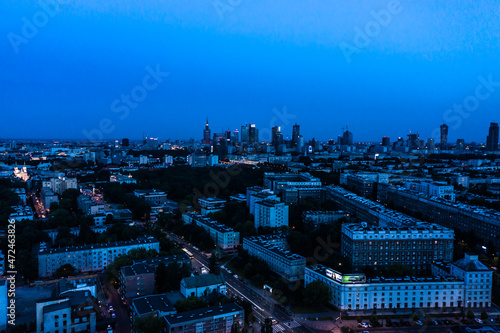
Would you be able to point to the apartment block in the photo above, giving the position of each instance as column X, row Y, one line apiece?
column 273, row 250
column 224, row 237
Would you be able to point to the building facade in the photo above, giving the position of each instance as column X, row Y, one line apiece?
column 88, row 258
column 273, row 250
column 269, row 213
column 224, row 237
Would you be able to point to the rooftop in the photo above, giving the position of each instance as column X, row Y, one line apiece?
column 203, row 280
column 44, row 250
column 203, row 313
column 152, row 303
column 136, row 269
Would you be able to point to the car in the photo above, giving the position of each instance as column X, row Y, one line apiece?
column 110, row 307
column 235, row 276
column 110, row 329
column 364, row 325
column 479, row 321
column 273, row 321
column 419, row 323
column 112, row 313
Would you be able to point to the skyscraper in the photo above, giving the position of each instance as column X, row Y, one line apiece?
column 492, row 138
column 386, row 141
column 277, row 137
column 206, row 134
column 347, row 138
column 295, row 134
column 444, row 136
column 253, row 134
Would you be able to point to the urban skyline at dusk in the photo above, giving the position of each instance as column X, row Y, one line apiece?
column 383, row 68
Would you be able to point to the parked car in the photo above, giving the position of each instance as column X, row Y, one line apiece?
column 479, row 321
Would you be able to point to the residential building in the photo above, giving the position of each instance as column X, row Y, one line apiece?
column 88, row 206
column 180, row 259
column 21, row 213
column 153, row 196
column 430, row 188
column 211, row 205
column 21, row 193
column 414, row 246
column 88, row 258
column 317, row 217
column 202, row 285
column 137, row 280
column 73, row 312
column 294, row 187
column 47, row 197
column 214, row 319
column 273, row 250
column 122, row 179
column 255, row 194
column 60, row 184
column 156, row 305
column 363, row 183
column 269, row 213
column 224, row 237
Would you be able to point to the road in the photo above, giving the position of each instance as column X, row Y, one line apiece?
column 122, row 314
column 263, row 305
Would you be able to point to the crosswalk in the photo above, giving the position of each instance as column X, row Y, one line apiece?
column 279, row 328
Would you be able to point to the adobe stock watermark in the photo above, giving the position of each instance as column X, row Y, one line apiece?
column 363, row 37
column 455, row 116
column 30, row 27
column 223, row 6
column 122, row 105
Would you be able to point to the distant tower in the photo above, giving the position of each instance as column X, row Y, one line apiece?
column 347, row 138
column 125, row 142
column 295, row 134
column 277, row 137
column 386, row 141
column 492, row 138
column 206, row 134
column 444, row 136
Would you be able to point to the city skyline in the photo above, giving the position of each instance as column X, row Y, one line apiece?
column 419, row 66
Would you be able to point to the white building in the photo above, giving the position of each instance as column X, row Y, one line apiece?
column 269, row 213
column 224, row 237
column 88, row 258
column 456, row 289
column 433, row 189
column 154, row 197
column 202, row 285
column 21, row 213
column 60, row 184
column 273, row 250
column 256, row 194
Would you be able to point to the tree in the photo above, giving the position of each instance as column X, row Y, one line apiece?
column 267, row 327
column 65, row 271
column 317, row 293
column 213, row 264
column 470, row 314
column 148, row 324
column 235, row 328
column 484, row 315
column 160, row 278
column 190, row 303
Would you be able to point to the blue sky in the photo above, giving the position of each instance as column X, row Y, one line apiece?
column 237, row 60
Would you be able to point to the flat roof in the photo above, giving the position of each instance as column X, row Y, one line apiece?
column 152, row 303
column 202, row 313
column 148, row 240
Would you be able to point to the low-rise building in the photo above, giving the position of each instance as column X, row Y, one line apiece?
column 88, row 258
column 224, row 237
column 137, row 280
column 21, row 213
column 317, row 217
column 202, row 285
column 468, row 284
column 273, row 250
column 158, row 305
column 72, row 312
column 89, row 206
column 214, row 319
column 211, row 205
column 154, row 197
column 21, row 193
column 47, row 197
column 122, row 179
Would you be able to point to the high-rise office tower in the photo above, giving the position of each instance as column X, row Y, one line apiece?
column 347, row 138
column 125, row 142
column 492, row 138
column 277, row 137
column 253, row 134
column 339, row 140
column 413, row 141
column 431, row 144
column 460, row 144
column 386, row 141
column 444, row 136
column 236, row 136
column 206, row 134
column 244, row 134
column 295, row 134
column 300, row 144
